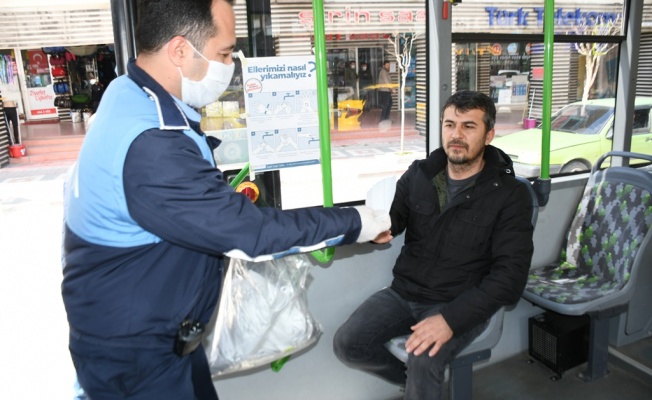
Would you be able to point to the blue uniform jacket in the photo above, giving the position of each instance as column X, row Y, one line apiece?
column 148, row 217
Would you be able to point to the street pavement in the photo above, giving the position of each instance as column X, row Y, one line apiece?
column 36, row 362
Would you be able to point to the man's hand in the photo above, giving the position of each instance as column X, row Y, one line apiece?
column 384, row 237
column 430, row 332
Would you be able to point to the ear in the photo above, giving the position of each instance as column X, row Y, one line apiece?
column 489, row 136
column 178, row 50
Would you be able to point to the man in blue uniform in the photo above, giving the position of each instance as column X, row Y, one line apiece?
column 148, row 216
column 467, row 252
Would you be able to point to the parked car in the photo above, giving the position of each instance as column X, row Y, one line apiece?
column 580, row 134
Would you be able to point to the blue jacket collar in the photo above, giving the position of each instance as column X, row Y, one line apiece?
column 173, row 114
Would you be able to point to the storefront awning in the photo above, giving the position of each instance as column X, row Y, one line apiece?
column 38, row 23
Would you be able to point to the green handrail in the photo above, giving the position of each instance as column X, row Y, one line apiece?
column 240, row 177
column 326, row 254
column 548, row 46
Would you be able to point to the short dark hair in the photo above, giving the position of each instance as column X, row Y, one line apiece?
column 467, row 100
column 161, row 20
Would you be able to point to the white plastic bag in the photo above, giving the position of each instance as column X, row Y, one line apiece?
column 262, row 315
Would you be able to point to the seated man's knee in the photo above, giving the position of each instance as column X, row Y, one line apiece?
column 427, row 367
column 342, row 344
column 349, row 347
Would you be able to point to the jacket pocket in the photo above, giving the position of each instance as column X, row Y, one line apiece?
column 420, row 205
column 421, row 217
column 471, row 229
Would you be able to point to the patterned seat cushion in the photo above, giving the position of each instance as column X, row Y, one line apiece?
column 610, row 224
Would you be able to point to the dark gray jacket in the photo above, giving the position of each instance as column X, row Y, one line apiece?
column 473, row 255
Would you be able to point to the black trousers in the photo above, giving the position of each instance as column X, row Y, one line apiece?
column 385, row 102
column 11, row 115
column 112, row 372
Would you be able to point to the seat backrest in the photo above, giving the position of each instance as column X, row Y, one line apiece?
column 492, row 333
column 533, row 198
column 611, row 222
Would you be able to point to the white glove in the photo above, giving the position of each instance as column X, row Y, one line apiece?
column 374, row 222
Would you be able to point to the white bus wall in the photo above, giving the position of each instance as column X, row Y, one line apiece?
column 356, row 272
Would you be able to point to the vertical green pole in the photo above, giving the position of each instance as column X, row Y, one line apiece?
column 548, row 44
column 322, row 101
column 324, row 117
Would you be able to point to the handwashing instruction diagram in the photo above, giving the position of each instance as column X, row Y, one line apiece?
column 281, row 104
column 284, row 140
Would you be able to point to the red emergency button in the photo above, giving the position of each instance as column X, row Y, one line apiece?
column 249, row 189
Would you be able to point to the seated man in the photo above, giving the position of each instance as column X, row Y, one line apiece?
column 467, row 252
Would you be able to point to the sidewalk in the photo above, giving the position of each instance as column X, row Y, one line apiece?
column 38, row 364
column 31, row 218
column 34, row 172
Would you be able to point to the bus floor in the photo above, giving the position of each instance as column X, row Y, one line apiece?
column 515, row 378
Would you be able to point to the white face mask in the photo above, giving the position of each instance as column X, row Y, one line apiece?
column 201, row 93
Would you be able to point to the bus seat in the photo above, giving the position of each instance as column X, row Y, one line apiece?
column 461, row 368
column 603, row 252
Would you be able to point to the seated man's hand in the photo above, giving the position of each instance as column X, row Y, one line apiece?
column 430, row 332
column 384, row 237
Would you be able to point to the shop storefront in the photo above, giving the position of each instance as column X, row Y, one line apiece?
column 357, row 33
column 54, row 53
column 511, row 71
column 359, row 36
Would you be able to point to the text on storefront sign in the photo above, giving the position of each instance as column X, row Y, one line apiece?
column 563, row 17
column 348, row 16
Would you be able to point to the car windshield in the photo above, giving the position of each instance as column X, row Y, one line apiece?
column 584, row 119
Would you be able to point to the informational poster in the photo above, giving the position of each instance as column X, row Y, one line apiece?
column 504, row 96
column 41, row 103
column 496, row 84
column 519, row 88
column 281, row 105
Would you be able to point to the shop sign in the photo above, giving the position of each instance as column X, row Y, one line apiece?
column 519, row 17
column 41, row 102
column 356, row 36
column 364, row 17
column 496, row 51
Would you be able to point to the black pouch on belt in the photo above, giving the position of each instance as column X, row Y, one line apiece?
column 188, row 337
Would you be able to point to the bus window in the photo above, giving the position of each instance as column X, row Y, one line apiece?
column 510, row 70
column 359, row 39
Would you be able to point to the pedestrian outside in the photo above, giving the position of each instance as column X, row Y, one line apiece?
column 385, row 92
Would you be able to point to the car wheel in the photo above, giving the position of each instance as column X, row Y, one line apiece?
column 574, row 166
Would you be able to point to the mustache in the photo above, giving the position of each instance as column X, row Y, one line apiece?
column 457, row 143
